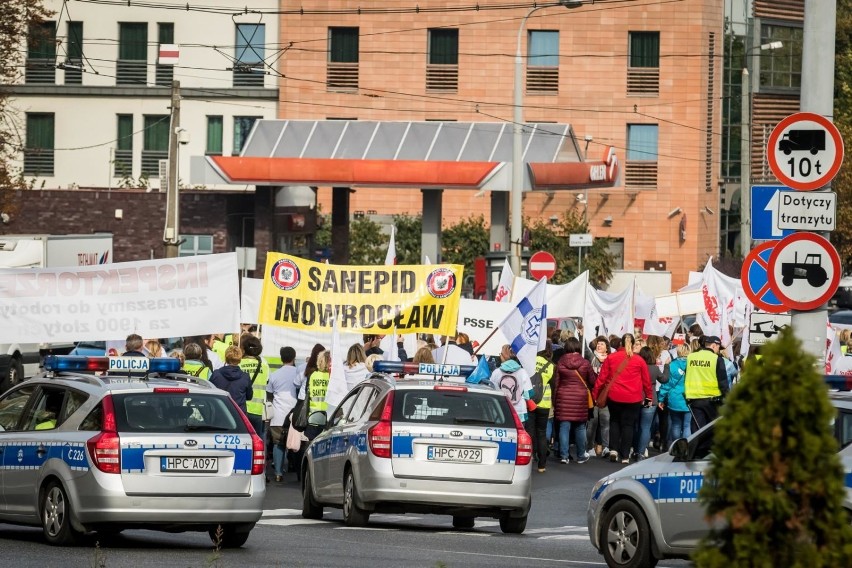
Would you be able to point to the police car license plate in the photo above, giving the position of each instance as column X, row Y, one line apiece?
column 190, row 465
column 451, row 454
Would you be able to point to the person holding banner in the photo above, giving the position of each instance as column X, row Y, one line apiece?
column 597, row 429
column 258, row 371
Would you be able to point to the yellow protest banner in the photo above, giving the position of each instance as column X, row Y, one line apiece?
column 368, row 299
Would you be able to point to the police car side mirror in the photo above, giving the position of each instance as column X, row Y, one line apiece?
column 680, row 450
column 318, row 419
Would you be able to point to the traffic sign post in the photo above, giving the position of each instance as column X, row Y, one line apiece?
column 580, row 240
column 805, row 151
column 755, row 279
column 542, row 265
column 804, row 271
column 764, row 213
column 764, row 327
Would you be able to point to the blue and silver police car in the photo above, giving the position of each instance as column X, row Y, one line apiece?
column 420, row 445
column 650, row 510
column 111, row 443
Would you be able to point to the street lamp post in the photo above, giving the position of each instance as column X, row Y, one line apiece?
column 517, row 188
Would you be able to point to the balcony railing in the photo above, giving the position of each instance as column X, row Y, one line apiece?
column 643, row 81
column 73, row 72
column 151, row 162
column 123, row 164
column 40, row 71
column 342, row 77
column 640, row 175
column 131, row 72
column 442, row 78
column 249, row 76
column 542, row 80
column 38, row 161
column 164, row 75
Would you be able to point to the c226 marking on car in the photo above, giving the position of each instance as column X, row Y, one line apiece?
column 227, row 439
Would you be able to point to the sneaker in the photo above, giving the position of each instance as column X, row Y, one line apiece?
column 541, row 470
column 613, row 456
column 605, row 452
column 584, row 458
column 599, row 450
column 279, row 478
column 563, row 460
column 624, row 461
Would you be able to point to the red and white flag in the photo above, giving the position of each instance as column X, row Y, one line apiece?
column 504, row 288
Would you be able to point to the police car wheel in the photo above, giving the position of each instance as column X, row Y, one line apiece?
column 464, row 522
column 513, row 525
column 56, row 516
column 626, row 537
column 353, row 515
column 230, row 536
column 310, row 508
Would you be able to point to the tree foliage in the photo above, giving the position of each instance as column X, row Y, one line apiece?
column 409, row 229
column 16, row 16
column 774, row 487
column 597, row 259
column 463, row 242
column 368, row 244
column 842, row 237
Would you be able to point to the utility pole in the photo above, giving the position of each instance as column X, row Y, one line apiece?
column 171, row 237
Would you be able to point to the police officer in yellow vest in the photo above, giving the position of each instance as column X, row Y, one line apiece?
column 706, row 382
column 536, row 424
column 193, row 365
column 258, row 371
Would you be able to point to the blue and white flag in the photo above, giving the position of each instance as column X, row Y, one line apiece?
column 482, row 373
column 526, row 326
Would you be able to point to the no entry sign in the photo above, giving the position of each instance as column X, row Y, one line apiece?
column 542, row 264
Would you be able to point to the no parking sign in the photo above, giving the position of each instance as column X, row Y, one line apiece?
column 755, row 279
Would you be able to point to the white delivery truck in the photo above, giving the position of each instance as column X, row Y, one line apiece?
column 44, row 251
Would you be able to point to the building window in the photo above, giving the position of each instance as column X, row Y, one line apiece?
column 194, row 245
column 165, row 73
column 643, row 63
column 214, row 136
column 249, row 55
column 342, row 72
column 132, row 65
column 41, row 53
column 242, row 128
column 155, row 143
column 38, row 153
column 543, row 62
column 781, row 68
column 123, row 164
column 442, row 71
column 641, row 167
column 74, row 63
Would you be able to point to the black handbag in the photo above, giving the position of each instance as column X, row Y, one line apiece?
column 301, row 412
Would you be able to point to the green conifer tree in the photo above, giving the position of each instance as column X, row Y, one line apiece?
column 774, row 488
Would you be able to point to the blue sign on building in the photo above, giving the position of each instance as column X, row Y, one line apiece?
column 764, row 213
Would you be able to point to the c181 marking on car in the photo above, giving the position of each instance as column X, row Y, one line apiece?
column 189, row 465
column 451, row 454
column 496, row 432
column 227, row 439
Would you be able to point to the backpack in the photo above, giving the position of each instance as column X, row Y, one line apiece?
column 510, row 387
column 538, row 384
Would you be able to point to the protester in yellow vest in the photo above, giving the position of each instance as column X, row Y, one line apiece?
column 706, row 382
column 221, row 343
column 536, row 424
column 193, row 365
column 258, row 371
column 318, row 383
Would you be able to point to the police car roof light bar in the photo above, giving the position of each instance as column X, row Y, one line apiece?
column 423, row 368
column 58, row 363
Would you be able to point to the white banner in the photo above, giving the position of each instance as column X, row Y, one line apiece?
column 563, row 300
column 250, row 300
column 155, row 298
column 478, row 318
column 608, row 314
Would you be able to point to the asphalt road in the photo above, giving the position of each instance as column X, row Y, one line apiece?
column 556, row 535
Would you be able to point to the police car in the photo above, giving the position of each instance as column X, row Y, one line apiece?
column 420, row 445
column 111, row 443
column 650, row 510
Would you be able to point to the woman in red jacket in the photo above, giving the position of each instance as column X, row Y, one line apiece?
column 573, row 380
column 630, row 389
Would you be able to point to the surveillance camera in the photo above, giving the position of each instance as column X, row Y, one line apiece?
column 588, row 138
column 5, row 218
column 182, row 135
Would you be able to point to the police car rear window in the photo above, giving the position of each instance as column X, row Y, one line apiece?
column 183, row 412
column 447, row 407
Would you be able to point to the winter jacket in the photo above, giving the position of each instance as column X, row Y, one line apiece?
column 658, row 378
column 234, row 380
column 571, row 399
column 671, row 393
column 631, row 385
column 355, row 374
column 515, row 383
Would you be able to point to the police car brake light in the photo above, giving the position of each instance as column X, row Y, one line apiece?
column 174, row 390
column 449, row 388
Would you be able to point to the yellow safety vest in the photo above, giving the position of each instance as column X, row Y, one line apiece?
column 221, row 345
column 47, row 425
column 546, row 375
column 196, row 368
column 317, row 387
column 258, row 399
column 701, row 381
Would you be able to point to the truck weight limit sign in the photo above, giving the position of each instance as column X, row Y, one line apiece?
column 805, row 151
